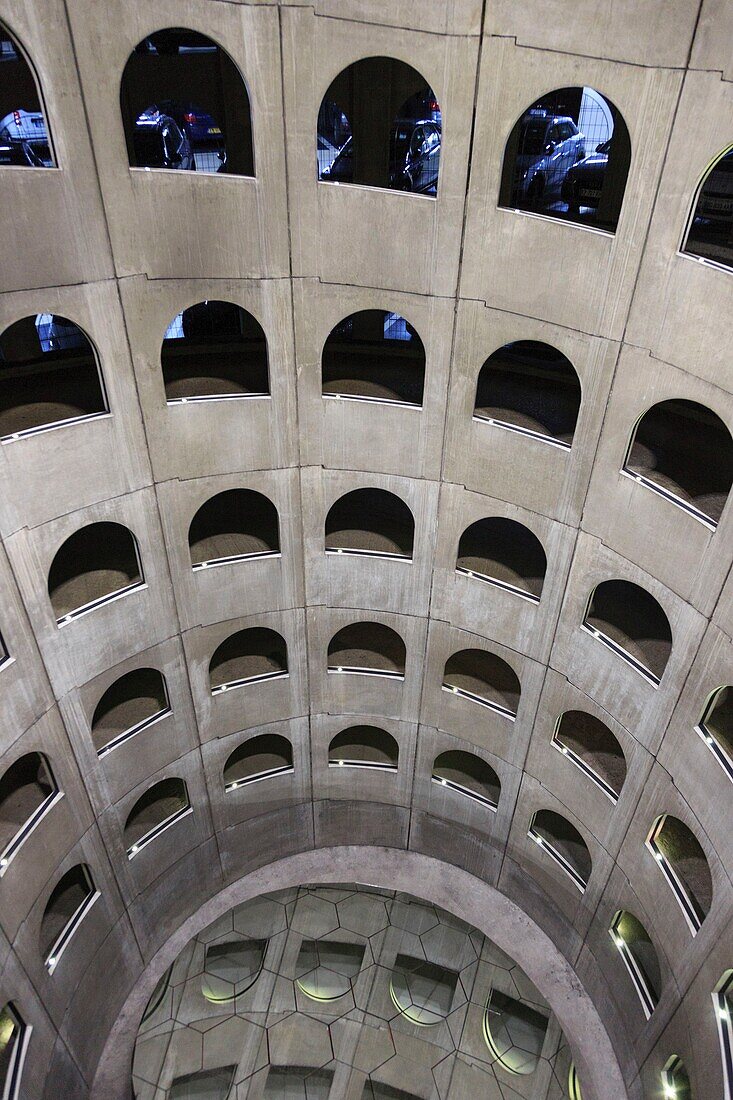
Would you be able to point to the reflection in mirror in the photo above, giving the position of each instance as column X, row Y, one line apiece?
column 326, row 969
column 185, row 106
column 231, row 968
column 568, row 157
column 422, row 990
column 514, row 1032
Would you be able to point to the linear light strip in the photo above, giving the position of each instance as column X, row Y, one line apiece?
column 560, row 859
column 230, row 685
column 26, row 829
column 84, row 609
column 156, row 831
column 473, row 698
column 504, row 585
column 506, row 426
column 585, row 768
column 673, row 498
column 146, row 723
column 621, row 652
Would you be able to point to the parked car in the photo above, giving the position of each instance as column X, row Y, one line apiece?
column 160, row 142
column 422, row 160
column 583, row 184
column 24, row 140
column 341, row 169
column 549, row 145
column 198, row 125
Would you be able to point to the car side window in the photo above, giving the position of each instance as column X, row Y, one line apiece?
column 554, row 136
column 566, row 131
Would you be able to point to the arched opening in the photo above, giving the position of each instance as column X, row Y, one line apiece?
column 28, row 790
column 532, row 389
column 371, row 523
column 468, row 775
column 563, row 843
column 380, row 125
column 298, row 1082
column 14, row 1038
column 204, row 1084
column 374, row 355
column 214, row 351
column 162, row 805
column 589, row 744
column 247, row 657
column 369, row 649
column 684, row 452
column 70, row 901
column 723, row 1002
column 130, row 705
column 483, row 678
column 676, row 1080
column 681, row 859
column 326, row 969
column 422, row 990
column 716, row 727
column 504, row 553
column 231, row 968
column 261, row 757
column 364, row 747
column 185, row 106
column 568, row 157
column 709, row 232
column 25, row 138
column 640, row 958
column 49, row 375
column 236, row 525
column 632, row 624
column 95, row 564
column 514, row 1032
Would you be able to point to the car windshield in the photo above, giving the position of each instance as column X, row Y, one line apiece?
column 532, row 138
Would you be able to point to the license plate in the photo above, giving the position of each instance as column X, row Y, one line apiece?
column 586, row 193
column 718, row 204
column 214, row 130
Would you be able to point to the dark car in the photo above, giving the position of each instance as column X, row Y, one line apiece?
column 584, row 182
column 341, row 169
column 199, row 126
column 160, row 142
column 422, row 160
column 24, row 140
